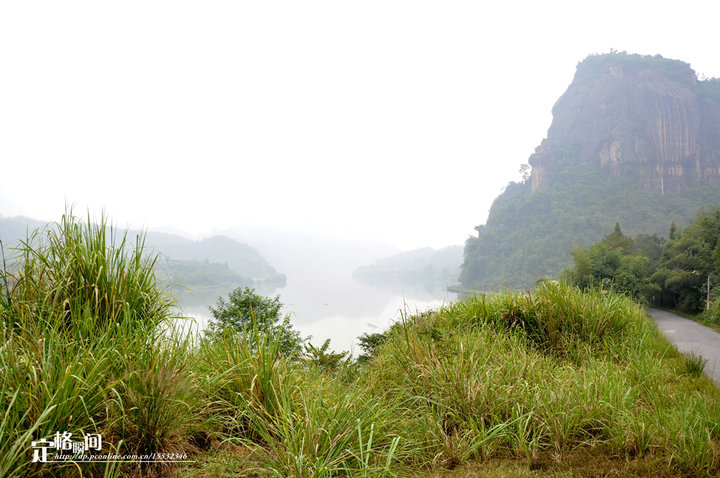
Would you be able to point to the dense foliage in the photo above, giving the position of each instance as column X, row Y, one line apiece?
column 83, row 276
column 690, row 262
column 82, row 318
column 615, row 263
column 677, row 273
column 552, row 372
column 531, row 235
column 193, row 274
column 239, row 257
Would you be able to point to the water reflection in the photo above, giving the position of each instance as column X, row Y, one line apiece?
column 343, row 330
column 334, row 306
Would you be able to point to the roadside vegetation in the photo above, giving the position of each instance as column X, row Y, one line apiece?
column 680, row 273
column 556, row 380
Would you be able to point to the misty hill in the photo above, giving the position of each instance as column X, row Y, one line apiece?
column 212, row 262
column 220, row 252
column 426, row 268
column 634, row 139
column 16, row 229
column 298, row 252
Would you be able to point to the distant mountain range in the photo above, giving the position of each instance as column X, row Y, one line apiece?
column 429, row 269
column 634, row 139
column 213, row 262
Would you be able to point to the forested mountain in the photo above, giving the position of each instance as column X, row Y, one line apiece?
column 426, row 268
column 216, row 258
column 212, row 262
column 634, row 139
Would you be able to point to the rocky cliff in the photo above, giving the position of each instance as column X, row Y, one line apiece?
column 630, row 113
column 634, row 139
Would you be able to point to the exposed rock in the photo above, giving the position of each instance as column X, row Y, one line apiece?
column 648, row 115
column 634, row 139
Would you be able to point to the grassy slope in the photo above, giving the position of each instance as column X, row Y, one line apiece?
column 537, row 377
column 556, row 381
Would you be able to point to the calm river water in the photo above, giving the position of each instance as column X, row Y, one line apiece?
column 332, row 305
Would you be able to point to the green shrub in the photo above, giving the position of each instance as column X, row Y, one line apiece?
column 248, row 314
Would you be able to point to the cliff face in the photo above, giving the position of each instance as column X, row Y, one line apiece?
column 634, row 139
column 645, row 116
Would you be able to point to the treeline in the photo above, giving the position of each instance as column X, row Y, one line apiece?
column 680, row 272
column 184, row 264
column 196, row 274
column 425, row 269
column 529, row 235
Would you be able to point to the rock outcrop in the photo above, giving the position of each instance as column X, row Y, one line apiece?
column 634, row 139
column 633, row 114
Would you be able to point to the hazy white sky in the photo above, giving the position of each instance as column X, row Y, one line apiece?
column 392, row 120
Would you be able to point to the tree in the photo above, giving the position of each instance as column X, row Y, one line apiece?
column 612, row 264
column 253, row 315
column 371, row 343
column 618, row 241
column 651, row 246
column 685, row 264
column 525, row 170
column 689, row 258
column 323, row 357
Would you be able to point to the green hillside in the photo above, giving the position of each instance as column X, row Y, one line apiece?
column 530, row 235
column 214, row 262
column 634, row 139
column 425, row 269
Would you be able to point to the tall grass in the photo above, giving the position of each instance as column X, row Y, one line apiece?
column 81, row 350
column 84, row 276
column 299, row 419
column 532, row 377
column 525, row 375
